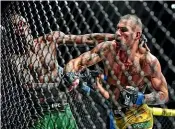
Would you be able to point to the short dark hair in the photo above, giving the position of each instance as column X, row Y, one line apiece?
column 134, row 18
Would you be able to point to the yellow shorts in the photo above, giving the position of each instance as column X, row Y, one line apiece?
column 137, row 118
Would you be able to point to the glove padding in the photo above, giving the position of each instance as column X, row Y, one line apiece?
column 71, row 80
column 89, row 76
column 85, row 80
column 132, row 96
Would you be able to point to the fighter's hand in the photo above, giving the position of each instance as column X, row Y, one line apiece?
column 71, row 80
column 132, row 97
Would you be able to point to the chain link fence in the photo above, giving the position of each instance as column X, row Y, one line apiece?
column 21, row 107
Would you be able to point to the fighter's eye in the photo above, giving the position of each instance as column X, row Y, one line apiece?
column 124, row 29
column 21, row 23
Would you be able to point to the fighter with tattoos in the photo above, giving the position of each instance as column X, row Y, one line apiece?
column 35, row 61
column 128, row 66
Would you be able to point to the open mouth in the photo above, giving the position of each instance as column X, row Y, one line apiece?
column 118, row 39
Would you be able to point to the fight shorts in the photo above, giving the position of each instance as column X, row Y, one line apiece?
column 52, row 106
column 136, row 118
column 56, row 119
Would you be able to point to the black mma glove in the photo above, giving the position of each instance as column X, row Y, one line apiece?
column 132, row 96
column 71, row 80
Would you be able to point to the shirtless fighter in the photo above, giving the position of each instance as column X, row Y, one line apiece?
column 127, row 68
column 36, row 63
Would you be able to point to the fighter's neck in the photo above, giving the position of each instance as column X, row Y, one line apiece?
column 134, row 49
column 130, row 53
column 29, row 39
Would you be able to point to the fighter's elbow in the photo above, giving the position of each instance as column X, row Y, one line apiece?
column 73, row 66
column 166, row 97
column 165, row 93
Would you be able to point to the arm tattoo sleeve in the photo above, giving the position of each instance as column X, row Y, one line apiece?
column 89, row 59
column 154, row 98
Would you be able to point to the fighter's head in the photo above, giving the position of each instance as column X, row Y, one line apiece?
column 21, row 26
column 129, row 29
column 22, row 32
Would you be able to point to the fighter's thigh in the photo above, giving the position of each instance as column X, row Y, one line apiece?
column 141, row 120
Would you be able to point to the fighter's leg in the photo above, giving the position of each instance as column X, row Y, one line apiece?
column 137, row 118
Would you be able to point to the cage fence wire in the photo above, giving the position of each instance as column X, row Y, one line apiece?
column 26, row 98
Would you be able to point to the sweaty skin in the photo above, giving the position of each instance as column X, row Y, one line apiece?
column 39, row 61
column 126, row 67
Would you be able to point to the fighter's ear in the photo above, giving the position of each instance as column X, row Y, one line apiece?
column 138, row 35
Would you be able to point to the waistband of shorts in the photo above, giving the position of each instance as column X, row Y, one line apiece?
column 53, row 106
column 124, row 110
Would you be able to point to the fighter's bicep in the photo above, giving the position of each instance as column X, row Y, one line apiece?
column 157, row 78
column 103, row 48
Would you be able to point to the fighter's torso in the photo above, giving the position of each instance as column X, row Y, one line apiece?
column 39, row 62
column 123, row 73
column 44, row 56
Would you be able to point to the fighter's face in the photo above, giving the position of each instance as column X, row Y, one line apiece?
column 127, row 32
column 21, row 27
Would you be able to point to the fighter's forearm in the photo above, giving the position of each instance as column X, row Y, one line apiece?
column 155, row 98
column 73, row 65
column 91, row 39
column 100, row 36
column 160, row 95
column 70, row 67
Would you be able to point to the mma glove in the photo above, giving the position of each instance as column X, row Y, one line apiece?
column 73, row 80
column 132, row 96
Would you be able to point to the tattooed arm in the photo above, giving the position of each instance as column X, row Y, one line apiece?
column 90, row 39
column 159, row 84
column 89, row 58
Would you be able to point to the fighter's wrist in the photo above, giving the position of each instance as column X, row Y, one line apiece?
column 85, row 88
column 105, row 78
column 72, row 76
column 140, row 98
column 154, row 98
